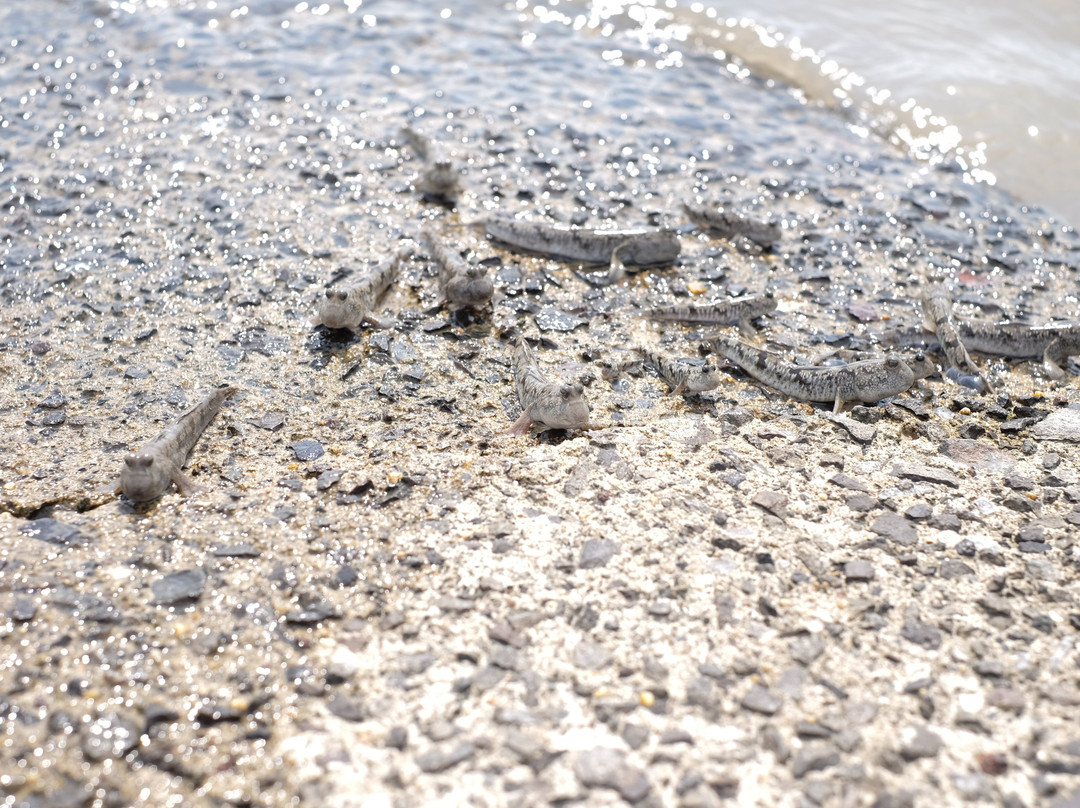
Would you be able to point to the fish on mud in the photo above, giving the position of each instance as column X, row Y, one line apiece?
column 868, row 381
column 439, row 177
column 461, row 284
column 148, row 473
column 727, row 223
column 543, row 402
column 636, row 246
column 738, row 311
column 680, row 376
column 937, row 317
column 1054, row 343
column 350, row 306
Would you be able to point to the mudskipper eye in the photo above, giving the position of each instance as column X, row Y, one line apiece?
column 892, row 361
column 920, row 358
column 769, row 294
column 707, row 367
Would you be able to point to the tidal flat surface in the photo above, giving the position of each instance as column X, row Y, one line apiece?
column 385, row 600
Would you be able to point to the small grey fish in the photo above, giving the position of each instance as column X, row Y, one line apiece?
column 733, row 311
column 553, row 406
column 612, row 369
column 351, row 306
column 680, row 376
column 439, row 177
column 937, row 317
column 868, row 381
column 147, row 474
column 461, row 284
column 638, row 246
column 1055, row 343
column 728, row 223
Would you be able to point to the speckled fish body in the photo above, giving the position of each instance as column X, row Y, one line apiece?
column 735, row 311
column 937, row 317
column 543, row 402
column 638, row 246
column 349, row 306
column 680, row 376
column 460, row 283
column 439, row 176
column 1054, row 343
column 727, row 223
column 868, row 381
column 148, row 473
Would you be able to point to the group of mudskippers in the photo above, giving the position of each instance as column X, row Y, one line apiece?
column 547, row 404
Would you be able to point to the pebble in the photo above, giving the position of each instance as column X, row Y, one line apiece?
column 550, row 318
column 858, row 571
column 308, row 449
column 771, row 501
column 439, row 760
column 607, row 768
column 896, row 528
column 54, row 532
column 953, row 568
column 814, row 757
column 597, row 553
column 849, row 483
column 976, row 453
column 919, row 742
column 1063, row 424
column 758, row 699
column 109, row 736
column 925, row 474
column 921, row 633
column 862, row 433
column 591, row 656
column 178, row 587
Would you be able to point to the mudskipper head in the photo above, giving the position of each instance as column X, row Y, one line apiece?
column 141, row 480
column 571, row 412
column 334, row 310
column 920, row 366
column 477, row 289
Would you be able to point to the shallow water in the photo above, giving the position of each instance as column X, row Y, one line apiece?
column 999, row 81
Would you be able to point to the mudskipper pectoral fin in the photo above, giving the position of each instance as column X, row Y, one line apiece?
column 107, row 490
column 522, row 424
column 185, row 485
column 1051, row 358
column 838, row 405
column 746, row 327
column 679, row 389
column 383, row 323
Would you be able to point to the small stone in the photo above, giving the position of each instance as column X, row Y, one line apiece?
column 1063, row 424
column 738, row 416
column 952, row 568
column 759, row 700
column 920, row 633
column 439, row 760
column 109, row 736
column 328, row 479
column 945, row 521
column 919, row 742
column 861, row 433
column 346, row 708
column 308, row 449
column 896, row 528
column 607, row 768
column 23, row 610
column 1021, row 504
column 861, row 503
column 858, row 571
column 597, row 553
column 813, row 757
column 550, row 318
column 806, row 649
column 397, row 738
column 771, row 501
column 179, row 587
column 925, row 474
column 849, row 483
column 136, row 373
column 54, row 532
column 1018, row 483
column 975, row 453
column 919, row 511
column 590, row 656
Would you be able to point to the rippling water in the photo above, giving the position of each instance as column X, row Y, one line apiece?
column 997, row 82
